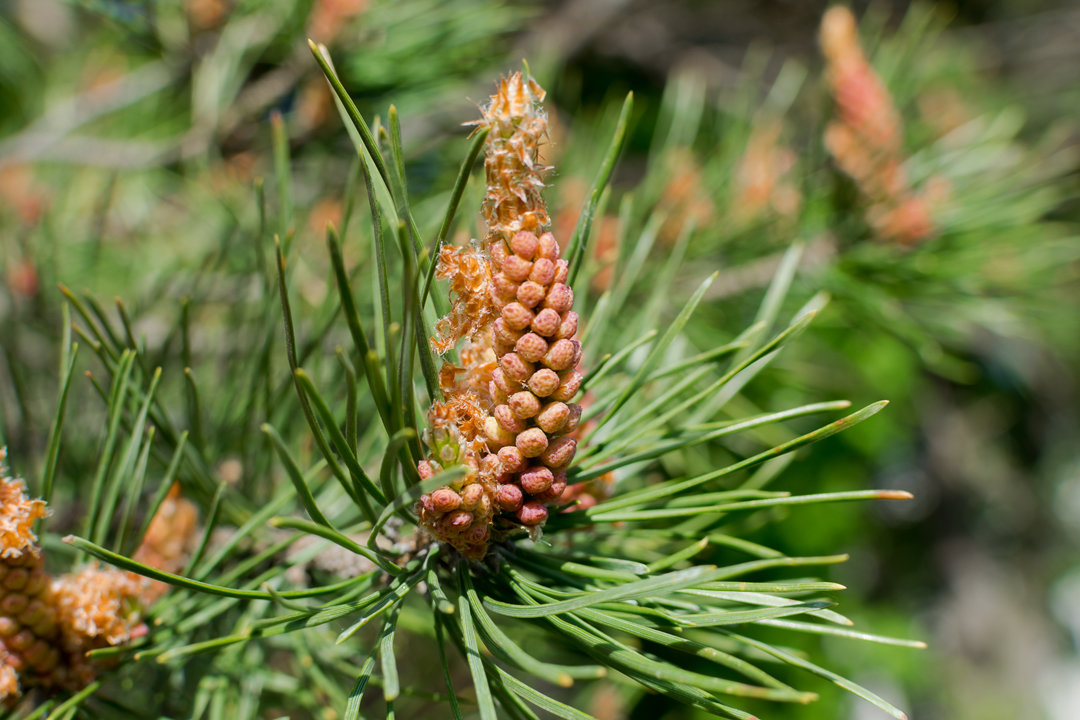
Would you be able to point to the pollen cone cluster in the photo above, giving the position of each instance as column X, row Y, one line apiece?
column 29, row 634
column 508, row 415
column 47, row 625
column 866, row 138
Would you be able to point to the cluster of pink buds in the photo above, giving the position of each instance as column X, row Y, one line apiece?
column 866, row 139
column 538, row 353
column 461, row 513
column 30, row 647
column 514, row 434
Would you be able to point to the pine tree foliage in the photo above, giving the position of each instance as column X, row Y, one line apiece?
column 630, row 583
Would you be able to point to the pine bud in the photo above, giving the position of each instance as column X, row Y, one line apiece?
column 532, row 442
column 524, row 404
column 509, row 497
column 543, row 272
column 546, row 322
column 531, row 348
column 544, row 382
column 553, row 417
column 532, row 513
column 536, row 479
column 530, row 294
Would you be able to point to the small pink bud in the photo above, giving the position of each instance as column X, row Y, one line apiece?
column 559, row 453
column 561, row 354
column 536, row 479
column 544, row 382
column 502, row 286
column 477, row 533
column 454, row 523
column 574, row 419
column 511, row 459
column 553, row 417
column 517, row 316
column 516, row 268
column 424, row 469
column 507, row 419
column 20, row 641
column 425, row 502
column 461, row 519
column 508, row 497
column 562, row 270
column 568, row 386
column 16, row 579
column 531, row 347
column 546, row 322
column 568, row 327
column 532, row 513
column 530, row 293
column 543, row 272
column 548, row 247
column 525, row 244
column 12, row 605
column 560, row 298
column 471, row 495
column 553, row 493
column 502, row 331
column 496, row 435
column 504, row 383
column 532, row 442
column 445, row 500
column 514, row 367
column 586, row 501
column 524, row 404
